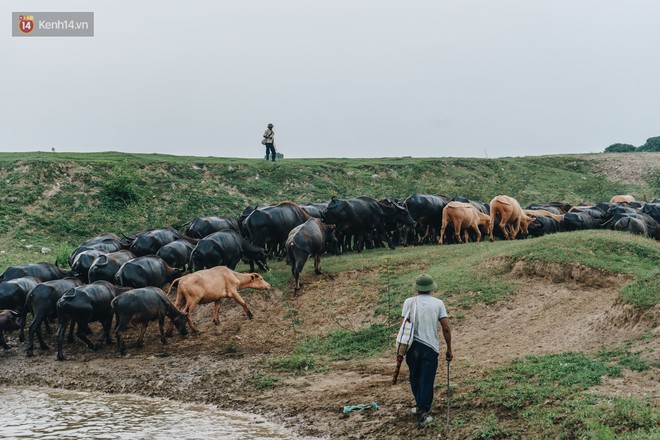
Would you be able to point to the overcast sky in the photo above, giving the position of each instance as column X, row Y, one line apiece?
column 338, row 78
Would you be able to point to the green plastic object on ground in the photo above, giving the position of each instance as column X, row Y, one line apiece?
column 351, row 408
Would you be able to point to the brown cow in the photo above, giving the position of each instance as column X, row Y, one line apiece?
column 542, row 212
column 211, row 285
column 463, row 216
column 509, row 212
column 622, row 199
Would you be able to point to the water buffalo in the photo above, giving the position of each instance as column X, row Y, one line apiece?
column 83, row 262
column 652, row 209
column 142, row 306
column 244, row 215
column 14, row 292
column 42, row 302
column 426, row 210
column 150, row 270
column 177, row 253
column 226, row 248
column 148, row 242
column 41, row 271
column 105, row 243
column 211, row 285
column 272, row 224
column 542, row 225
column 358, row 217
column 631, row 224
column 556, row 208
column 463, row 216
column 315, row 209
column 7, row 322
column 396, row 218
column 202, row 226
column 593, row 211
column 577, row 220
column 511, row 217
column 106, row 267
column 85, row 304
column 312, row 238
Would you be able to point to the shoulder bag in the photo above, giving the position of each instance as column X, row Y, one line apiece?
column 405, row 336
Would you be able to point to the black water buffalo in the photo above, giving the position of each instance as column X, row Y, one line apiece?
column 315, row 209
column 14, row 292
column 272, row 224
column 543, row 225
column 642, row 224
column 150, row 270
column 311, row 239
column 481, row 207
column 106, row 267
column 426, row 210
column 148, row 242
column 41, row 271
column 397, row 219
column 83, row 262
column 578, row 220
column 202, row 226
column 177, row 253
column 226, row 248
column 85, row 304
column 631, row 224
column 553, row 207
column 42, row 302
column 652, row 209
column 7, row 322
column 359, row 217
column 244, row 215
column 143, row 306
column 592, row 211
column 105, row 243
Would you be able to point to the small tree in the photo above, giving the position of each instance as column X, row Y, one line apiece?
column 620, row 148
column 652, row 144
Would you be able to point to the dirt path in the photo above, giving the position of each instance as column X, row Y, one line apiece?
column 556, row 311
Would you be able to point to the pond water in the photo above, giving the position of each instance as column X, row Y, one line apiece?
column 45, row 413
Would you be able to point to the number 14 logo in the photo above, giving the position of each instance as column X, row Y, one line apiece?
column 26, row 23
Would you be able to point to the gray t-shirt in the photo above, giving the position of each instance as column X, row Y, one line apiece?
column 430, row 311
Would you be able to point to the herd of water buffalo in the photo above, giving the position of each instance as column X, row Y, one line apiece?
column 121, row 278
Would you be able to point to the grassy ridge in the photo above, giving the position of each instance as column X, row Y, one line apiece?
column 59, row 199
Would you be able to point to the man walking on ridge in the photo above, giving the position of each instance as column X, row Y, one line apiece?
column 422, row 356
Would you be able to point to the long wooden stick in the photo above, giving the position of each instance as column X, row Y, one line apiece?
column 399, row 360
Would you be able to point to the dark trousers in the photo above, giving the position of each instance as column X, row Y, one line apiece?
column 422, row 362
column 270, row 148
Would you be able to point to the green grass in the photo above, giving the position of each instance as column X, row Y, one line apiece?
column 262, row 380
column 549, row 394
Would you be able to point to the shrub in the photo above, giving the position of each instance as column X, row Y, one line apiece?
column 652, row 145
column 122, row 189
column 620, row 148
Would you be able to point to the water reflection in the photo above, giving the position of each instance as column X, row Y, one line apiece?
column 55, row 414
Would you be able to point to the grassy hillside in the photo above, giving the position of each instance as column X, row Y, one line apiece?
column 57, row 200
column 346, row 318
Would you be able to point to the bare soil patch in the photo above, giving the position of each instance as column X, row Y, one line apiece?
column 628, row 168
column 554, row 311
